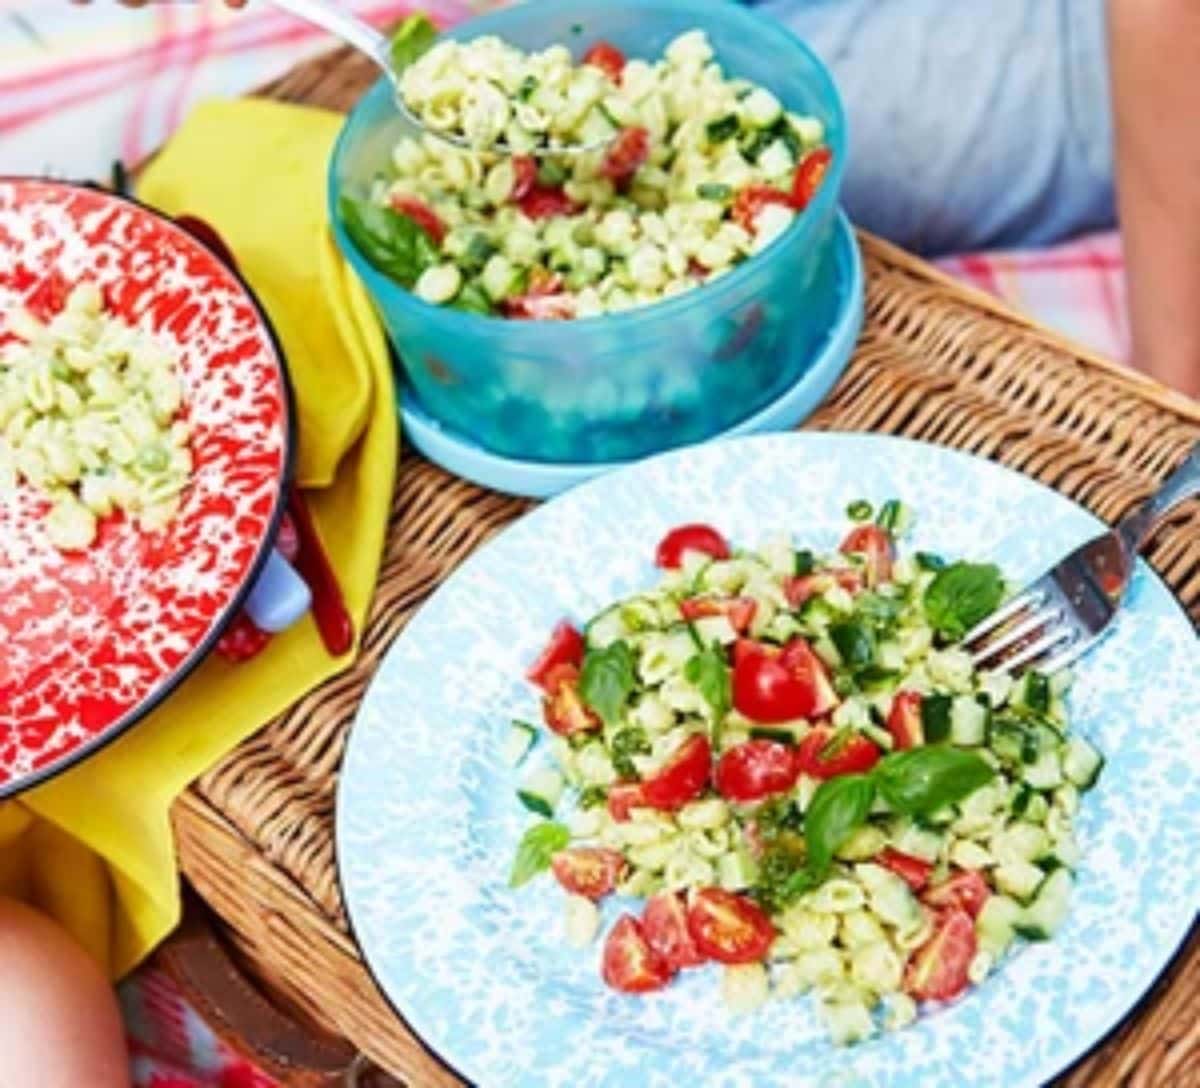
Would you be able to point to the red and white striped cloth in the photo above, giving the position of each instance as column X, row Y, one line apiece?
column 82, row 86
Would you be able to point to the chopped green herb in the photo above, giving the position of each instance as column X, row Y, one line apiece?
column 803, row 563
column 629, row 742
column 930, row 561
column 525, row 91
column 713, row 190
column 537, row 847
column 591, row 796
column 859, row 510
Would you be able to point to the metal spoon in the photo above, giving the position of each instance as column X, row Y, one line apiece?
column 366, row 39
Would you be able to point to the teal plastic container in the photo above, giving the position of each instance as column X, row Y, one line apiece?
column 626, row 385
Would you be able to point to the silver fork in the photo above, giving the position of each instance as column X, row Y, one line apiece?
column 1064, row 613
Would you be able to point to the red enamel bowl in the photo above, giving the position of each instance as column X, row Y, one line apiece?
column 91, row 641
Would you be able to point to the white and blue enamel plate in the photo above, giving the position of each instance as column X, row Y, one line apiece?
column 427, row 819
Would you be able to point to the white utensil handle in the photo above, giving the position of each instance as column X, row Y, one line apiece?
column 352, row 30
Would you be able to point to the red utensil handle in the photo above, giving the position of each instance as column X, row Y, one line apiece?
column 328, row 607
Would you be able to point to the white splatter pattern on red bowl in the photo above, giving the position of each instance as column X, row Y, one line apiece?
column 89, row 641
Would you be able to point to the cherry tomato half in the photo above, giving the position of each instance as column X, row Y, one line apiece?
column 539, row 307
column 590, row 871
column 827, row 753
column 525, row 172
column 966, row 890
column 564, row 648
column 626, row 154
column 938, row 969
column 546, row 201
column 810, row 172
column 729, row 928
column 875, row 546
column 664, row 922
column 778, row 685
column 904, row 720
column 804, row 587
column 756, row 769
column 608, row 58
column 690, row 538
column 421, row 214
column 738, row 610
column 751, row 200
column 622, row 797
column 682, row 778
column 630, row 964
column 912, row 870
column 563, row 708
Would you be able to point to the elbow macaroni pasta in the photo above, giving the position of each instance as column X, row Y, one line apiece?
column 89, row 412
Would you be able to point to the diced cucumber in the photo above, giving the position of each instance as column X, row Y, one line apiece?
column 1020, row 841
column 736, row 870
column 775, row 733
column 996, row 925
column 1007, row 739
column 1045, row 772
column 715, row 629
column 1041, row 919
column 542, row 791
column 1020, row 879
column 935, row 717
column 968, row 721
column 1032, row 690
column 1081, row 762
column 880, row 736
column 519, row 743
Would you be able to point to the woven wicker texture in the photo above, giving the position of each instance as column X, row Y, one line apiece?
column 935, row 362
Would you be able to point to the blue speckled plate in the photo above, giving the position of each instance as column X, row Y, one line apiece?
column 427, row 820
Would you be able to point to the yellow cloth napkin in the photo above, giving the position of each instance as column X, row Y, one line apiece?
column 93, row 846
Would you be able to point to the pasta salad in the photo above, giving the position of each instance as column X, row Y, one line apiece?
column 89, row 416
column 789, row 762
column 694, row 173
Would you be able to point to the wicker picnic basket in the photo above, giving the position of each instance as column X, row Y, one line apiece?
column 936, row 362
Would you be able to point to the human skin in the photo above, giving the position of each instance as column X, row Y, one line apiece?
column 59, row 1022
column 1155, row 49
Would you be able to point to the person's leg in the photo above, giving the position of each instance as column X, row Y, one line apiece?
column 59, row 1023
column 971, row 124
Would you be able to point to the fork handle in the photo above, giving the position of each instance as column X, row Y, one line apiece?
column 1182, row 484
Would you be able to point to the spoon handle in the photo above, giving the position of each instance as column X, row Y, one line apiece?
column 352, row 30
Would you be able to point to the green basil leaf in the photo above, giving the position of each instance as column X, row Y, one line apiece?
column 919, row 781
column 709, row 673
column 961, row 595
column 392, row 242
column 528, row 86
column 838, row 808
column 413, row 38
column 935, row 717
column 535, row 803
column 854, row 643
column 607, row 679
column 537, row 847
